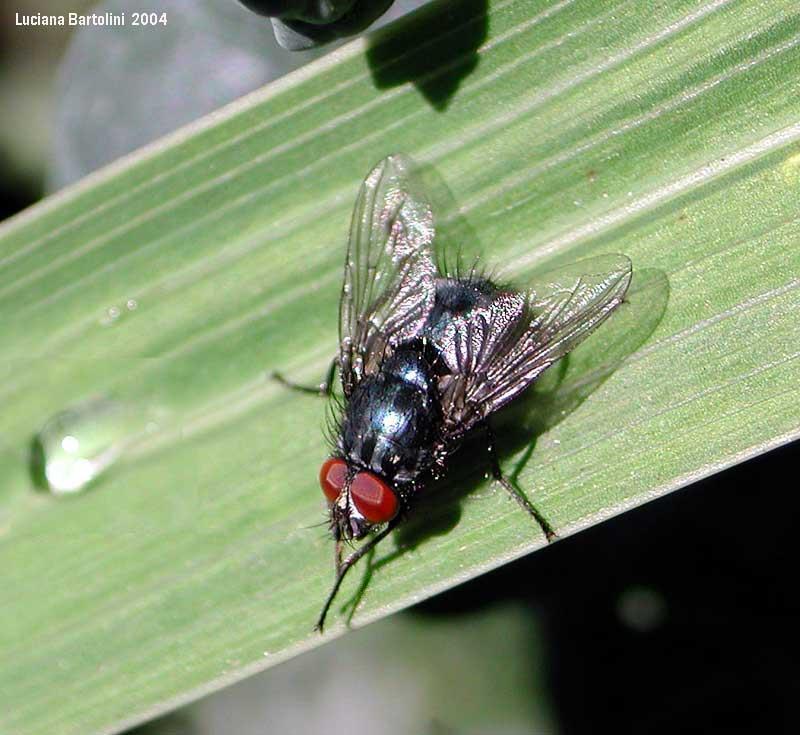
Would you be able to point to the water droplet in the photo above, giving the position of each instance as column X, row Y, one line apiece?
column 110, row 316
column 77, row 444
column 131, row 304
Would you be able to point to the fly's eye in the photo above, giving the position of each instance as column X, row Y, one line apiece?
column 332, row 476
column 374, row 499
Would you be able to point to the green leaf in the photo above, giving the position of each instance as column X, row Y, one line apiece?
column 667, row 133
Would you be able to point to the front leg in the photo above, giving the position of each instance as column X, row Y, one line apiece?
column 343, row 566
column 515, row 492
column 323, row 389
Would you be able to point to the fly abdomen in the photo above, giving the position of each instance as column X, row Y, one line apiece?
column 393, row 417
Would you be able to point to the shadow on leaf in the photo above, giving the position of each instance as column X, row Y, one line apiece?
column 435, row 49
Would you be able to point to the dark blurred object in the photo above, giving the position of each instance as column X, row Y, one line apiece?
column 303, row 24
column 679, row 616
column 298, row 35
column 318, row 12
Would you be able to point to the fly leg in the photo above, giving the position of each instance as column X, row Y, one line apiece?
column 342, row 567
column 514, row 491
column 323, row 389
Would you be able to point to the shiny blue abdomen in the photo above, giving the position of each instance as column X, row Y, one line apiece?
column 390, row 424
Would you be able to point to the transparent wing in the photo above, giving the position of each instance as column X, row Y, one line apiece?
column 562, row 309
column 389, row 272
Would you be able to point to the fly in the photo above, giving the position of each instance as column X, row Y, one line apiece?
column 427, row 356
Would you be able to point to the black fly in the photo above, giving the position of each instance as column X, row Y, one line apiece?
column 426, row 357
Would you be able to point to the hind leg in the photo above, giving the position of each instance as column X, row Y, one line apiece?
column 515, row 492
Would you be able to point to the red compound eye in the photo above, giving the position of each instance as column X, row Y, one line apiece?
column 332, row 476
column 374, row 499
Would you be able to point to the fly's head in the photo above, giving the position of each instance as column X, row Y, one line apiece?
column 358, row 499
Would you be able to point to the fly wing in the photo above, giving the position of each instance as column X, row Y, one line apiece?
column 561, row 310
column 389, row 271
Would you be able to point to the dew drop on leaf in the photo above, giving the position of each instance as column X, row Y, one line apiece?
column 76, row 444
